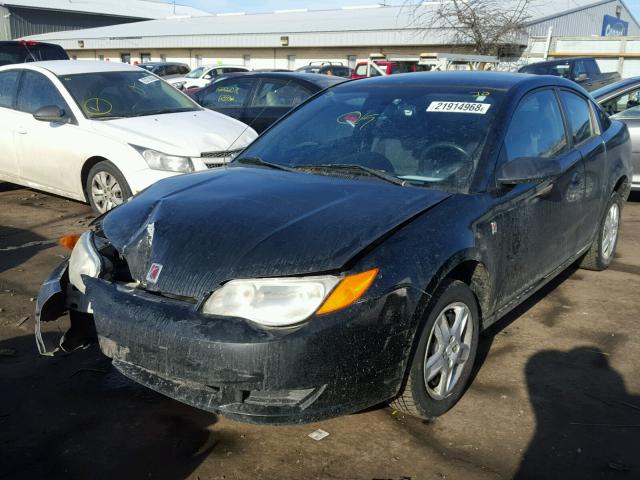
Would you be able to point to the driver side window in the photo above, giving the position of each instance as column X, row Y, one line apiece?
column 622, row 103
column 36, row 92
column 536, row 128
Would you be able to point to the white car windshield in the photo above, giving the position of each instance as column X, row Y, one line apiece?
column 195, row 73
column 124, row 94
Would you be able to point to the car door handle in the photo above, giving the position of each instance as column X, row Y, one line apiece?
column 21, row 130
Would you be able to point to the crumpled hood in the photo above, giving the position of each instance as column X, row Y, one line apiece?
column 242, row 222
column 186, row 133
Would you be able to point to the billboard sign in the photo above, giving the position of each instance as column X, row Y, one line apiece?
column 614, row 27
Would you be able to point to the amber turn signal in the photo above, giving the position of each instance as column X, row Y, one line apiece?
column 69, row 241
column 348, row 291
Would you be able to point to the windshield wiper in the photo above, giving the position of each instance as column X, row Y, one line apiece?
column 262, row 163
column 359, row 168
column 163, row 112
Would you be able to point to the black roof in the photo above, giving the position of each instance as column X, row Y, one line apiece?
column 474, row 79
column 321, row 81
column 154, row 64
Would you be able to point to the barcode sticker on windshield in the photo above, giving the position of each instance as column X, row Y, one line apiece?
column 459, row 107
column 148, row 79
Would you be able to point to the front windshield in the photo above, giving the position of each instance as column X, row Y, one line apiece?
column 195, row 73
column 124, row 94
column 424, row 135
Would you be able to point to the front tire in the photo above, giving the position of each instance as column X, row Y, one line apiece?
column 106, row 187
column 445, row 354
column 603, row 249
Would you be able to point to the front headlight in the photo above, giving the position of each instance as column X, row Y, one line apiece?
column 85, row 260
column 279, row 302
column 161, row 161
column 179, row 85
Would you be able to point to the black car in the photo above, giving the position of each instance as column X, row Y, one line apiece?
column 166, row 70
column 353, row 253
column 260, row 98
column 23, row 51
column 582, row 70
column 328, row 68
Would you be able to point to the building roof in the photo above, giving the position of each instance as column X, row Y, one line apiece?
column 145, row 9
column 354, row 26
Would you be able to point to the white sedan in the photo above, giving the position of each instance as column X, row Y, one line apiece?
column 100, row 132
column 200, row 77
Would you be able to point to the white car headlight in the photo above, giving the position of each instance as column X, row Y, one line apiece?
column 161, row 161
column 179, row 85
column 85, row 260
column 273, row 302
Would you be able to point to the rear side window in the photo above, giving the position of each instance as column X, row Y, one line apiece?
column 8, row 88
column 279, row 93
column 536, row 128
column 231, row 94
column 578, row 116
column 36, row 92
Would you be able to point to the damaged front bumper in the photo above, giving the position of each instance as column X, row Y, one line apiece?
column 337, row 364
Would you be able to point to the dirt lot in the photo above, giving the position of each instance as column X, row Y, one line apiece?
column 557, row 392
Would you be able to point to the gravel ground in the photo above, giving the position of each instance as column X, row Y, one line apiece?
column 556, row 395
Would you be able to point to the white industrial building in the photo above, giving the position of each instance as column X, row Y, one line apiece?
column 292, row 38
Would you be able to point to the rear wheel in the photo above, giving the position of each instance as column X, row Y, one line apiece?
column 445, row 354
column 106, row 187
column 603, row 248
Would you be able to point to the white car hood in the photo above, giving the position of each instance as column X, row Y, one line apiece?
column 186, row 134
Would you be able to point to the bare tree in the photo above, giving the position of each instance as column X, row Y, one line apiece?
column 487, row 25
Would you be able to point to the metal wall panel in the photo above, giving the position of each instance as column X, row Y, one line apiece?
column 5, row 27
column 27, row 21
column 584, row 22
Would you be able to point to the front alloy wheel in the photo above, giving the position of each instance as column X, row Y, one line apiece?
column 445, row 353
column 447, row 350
column 105, row 191
column 106, row 187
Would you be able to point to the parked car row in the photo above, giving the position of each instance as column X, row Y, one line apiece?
column 101, row 132
column 352, row 253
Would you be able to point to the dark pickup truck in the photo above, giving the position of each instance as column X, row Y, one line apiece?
column 22, row 51
column 582, row 70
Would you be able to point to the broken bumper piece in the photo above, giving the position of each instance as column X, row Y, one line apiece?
column 327, row 367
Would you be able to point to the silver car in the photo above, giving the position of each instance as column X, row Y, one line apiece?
column 621, row 100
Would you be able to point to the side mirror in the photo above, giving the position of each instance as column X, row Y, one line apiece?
column 528, row 170
column 51, row 114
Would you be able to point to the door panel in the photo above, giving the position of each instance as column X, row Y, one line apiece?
column 8, row 158
column 582, row 128
column 45, row 151
column 535, row 224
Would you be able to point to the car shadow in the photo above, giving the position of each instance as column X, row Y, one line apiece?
column 18, row 245
column 587, row 423
column 82, row 419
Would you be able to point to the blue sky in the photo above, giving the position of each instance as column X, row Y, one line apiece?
column 270, row 5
